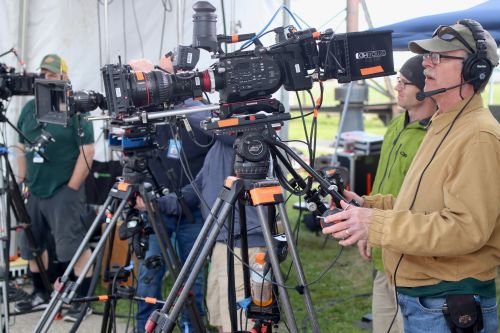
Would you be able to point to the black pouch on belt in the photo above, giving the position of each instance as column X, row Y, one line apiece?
column 463, row 314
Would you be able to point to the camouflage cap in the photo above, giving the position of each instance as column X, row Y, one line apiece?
column 54, row 63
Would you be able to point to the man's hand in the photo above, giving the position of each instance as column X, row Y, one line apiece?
column 82, row 166
column 145, row 65
column 166, row 64
column 349, row 196
column 139, row 203
column 141, row 65
column 364, row 250
column 351, row 225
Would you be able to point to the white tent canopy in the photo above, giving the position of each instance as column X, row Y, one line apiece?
column 79, row 31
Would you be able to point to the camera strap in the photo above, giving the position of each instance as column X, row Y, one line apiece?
column 463, row 313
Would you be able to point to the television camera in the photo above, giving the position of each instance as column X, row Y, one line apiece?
column 15, row 84
column 245, row 80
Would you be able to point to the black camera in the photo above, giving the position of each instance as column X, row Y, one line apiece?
column 16, row 84
column 56, row 102
column 294, row 62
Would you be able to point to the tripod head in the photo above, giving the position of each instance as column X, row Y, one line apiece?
column 257, row 142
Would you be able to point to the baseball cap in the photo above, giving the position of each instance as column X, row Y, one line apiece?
column 452, row 38
column 413, row 71
column 54, row 63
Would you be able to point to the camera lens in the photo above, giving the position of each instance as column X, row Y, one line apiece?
column 150, row 88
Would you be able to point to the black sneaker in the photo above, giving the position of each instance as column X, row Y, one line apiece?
column 74, row 312
column 37, row 300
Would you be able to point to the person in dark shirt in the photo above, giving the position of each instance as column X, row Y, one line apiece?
column 56, row 193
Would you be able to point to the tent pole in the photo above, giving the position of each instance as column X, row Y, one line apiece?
column 388, row 84
column 179, row 21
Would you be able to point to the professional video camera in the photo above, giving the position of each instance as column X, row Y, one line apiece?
column 246, row 78
column 15, row 84
column 56, row 102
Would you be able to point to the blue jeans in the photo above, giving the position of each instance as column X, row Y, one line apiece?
column 424, row 314
column 150, row 280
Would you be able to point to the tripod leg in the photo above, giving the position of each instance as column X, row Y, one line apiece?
column 21, row 213
column 4, row 316
column 285, row 301
column 171, row 259
column 93, row 283
column 168, row 322
column 298, row 267
column 4, row 256
column 61, row 293
column 207, row 226
column 163, row 322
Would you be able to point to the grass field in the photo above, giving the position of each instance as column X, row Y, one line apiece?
column 343, row 295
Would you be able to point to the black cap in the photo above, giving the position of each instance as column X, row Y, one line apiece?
column 413, row 71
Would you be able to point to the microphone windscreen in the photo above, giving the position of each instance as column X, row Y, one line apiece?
column 420, row 96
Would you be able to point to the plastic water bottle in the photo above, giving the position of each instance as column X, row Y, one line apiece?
column 262, row 289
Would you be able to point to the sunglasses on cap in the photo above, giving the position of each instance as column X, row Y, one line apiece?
column 447, row 33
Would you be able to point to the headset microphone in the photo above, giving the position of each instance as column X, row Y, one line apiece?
column 421, row 95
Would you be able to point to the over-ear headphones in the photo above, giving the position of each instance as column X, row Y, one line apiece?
column 477, row 68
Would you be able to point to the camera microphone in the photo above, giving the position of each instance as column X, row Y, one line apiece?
column 421, row 95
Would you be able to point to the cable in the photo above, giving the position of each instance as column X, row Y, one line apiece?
column 79, row 130
column 332, row 18
column 416, row 192
column 165, row 10
column 395, row 294
column 259, row 34
column 124, row 25
column 137, row 27
column 224, row 26
column 306, row 115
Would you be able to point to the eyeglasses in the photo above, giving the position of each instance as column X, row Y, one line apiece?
column 447, row 33
column 435, row 58
column 403, row 84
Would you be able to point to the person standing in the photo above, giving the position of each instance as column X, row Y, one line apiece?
column 56, row 195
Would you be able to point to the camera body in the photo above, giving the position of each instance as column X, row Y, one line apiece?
column 296, row 60
column 245, row 78
column 16, row 84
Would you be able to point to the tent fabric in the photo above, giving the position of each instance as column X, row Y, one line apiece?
column 487, row 14
column 75, row 30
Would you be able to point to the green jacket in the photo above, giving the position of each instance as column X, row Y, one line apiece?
column 400, row 145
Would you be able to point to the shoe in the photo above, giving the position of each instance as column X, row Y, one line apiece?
column 37, row 300
column 74, row 312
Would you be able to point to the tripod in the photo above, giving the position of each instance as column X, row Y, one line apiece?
column 12, row 199
column 135, row 173
column 256, row 141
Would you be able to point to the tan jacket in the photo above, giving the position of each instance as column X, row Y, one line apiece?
column 453, row 230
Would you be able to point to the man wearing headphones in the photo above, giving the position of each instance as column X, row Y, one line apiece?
column 401, row 141
column 441, row 235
